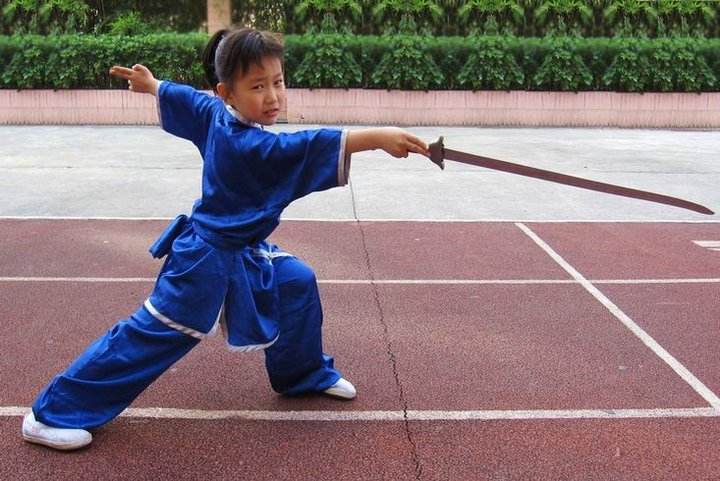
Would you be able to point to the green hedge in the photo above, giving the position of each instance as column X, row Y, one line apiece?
column 83, row 61
column 387, row 62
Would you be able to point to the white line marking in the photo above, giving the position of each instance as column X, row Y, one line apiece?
column 77, row 279
column 563, row 414
column 700, row 280
column 419, row 220
column 708, row 243
column 50, row 217
column 446, row 281
column 508, row 221
column 388, row 416
column 713, row 245
column 711, row 280
column 676, row 366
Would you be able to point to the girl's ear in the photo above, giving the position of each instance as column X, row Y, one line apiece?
column 223, row 91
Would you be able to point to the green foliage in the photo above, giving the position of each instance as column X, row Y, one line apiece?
column 83, row 61
column 91, row 16
column 631, row 17
column 563, row 69
column 161, row 15
column 562, row 17
column 709, row 50
column 677, row 67
column 630, row 70
column 491, row 67
column 44, row 16
column 407, row 16
column 130, row 23
column 407, row 62
column 526, row 18
column 450, row 55
column 688, row 17
column 26, row 66
column 664, row 65
column 329, row 63
column 492, row 16
column 327, row 15
column 407, row 65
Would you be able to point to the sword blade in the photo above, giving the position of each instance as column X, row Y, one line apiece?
column 438, row 154
column 501, row 165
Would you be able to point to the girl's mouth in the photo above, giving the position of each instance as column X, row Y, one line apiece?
column 272, row 112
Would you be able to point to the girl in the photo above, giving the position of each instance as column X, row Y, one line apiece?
column 219, row 268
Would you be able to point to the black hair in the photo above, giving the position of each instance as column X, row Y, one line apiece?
column 240, row 49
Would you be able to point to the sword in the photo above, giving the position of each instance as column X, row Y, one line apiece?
column 438, row 154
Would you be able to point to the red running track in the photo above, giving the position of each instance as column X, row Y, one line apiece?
column 490, row 324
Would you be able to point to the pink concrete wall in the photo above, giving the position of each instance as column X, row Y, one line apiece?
column 515, row 108
column 76, row 107
column 356, row 106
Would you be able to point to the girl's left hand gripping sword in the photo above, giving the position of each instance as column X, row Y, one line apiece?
column 438, row 154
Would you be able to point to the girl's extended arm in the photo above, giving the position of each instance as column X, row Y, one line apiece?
column 140, row 78
column 392, row 140
column 183, row 111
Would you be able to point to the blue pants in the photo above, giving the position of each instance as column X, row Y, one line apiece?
column 117, row 367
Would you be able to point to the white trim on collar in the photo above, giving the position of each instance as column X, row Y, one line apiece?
column 240, row 118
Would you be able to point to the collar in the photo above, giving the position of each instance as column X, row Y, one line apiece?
column 240, row 118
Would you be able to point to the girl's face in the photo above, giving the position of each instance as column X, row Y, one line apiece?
column 259, row 94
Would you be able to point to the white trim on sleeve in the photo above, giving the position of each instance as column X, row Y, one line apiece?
column 343, row 160
column 157, row 102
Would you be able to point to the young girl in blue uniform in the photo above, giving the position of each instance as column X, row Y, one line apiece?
column 220, row 270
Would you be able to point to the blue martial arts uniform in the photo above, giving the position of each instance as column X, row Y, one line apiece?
column 219, row 268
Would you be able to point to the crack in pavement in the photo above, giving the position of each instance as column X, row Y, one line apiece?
column 388, row 343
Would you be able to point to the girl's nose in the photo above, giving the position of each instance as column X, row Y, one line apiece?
column 272, row 95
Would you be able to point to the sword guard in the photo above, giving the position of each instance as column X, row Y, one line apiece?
column 437, row 153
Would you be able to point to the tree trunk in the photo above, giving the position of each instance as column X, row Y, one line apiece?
column 219, row 15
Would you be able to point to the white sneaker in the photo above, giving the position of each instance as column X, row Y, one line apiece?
column 342, row 389
column 59, row 438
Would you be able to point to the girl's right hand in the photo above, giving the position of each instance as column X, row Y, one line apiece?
column 399, row 143
column 140, row 78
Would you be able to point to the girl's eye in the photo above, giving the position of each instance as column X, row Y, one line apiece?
column 278, row 83
column 258, row 87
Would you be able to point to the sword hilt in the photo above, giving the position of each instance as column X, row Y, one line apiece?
column 437, row 153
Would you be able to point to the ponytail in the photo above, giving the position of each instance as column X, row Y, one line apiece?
column 208, row 57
